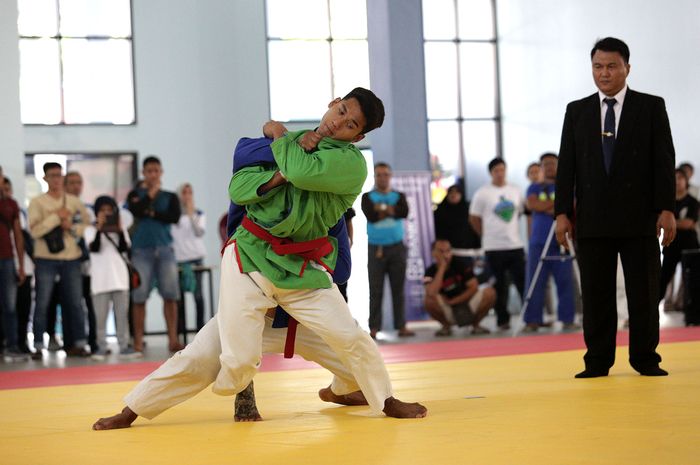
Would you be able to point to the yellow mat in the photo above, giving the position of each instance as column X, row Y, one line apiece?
column 499, row 410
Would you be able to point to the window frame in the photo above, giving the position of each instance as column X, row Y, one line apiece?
column 58, row 37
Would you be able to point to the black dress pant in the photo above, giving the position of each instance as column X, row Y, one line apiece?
column 597, row 259
column 507, row 266
column 383, row 260
column 24, row 307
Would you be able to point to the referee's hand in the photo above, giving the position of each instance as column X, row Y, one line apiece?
column 562, row 228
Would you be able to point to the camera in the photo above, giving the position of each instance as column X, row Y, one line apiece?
column 111, row 223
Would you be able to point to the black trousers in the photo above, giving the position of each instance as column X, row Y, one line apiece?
column 597, row 259
column 691, row 280
column 391, row 261
column 505, row 264
column 24, row 307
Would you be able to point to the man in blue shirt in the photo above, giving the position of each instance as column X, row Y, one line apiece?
column 154, row 211
column 540, row 200
column 385, row 210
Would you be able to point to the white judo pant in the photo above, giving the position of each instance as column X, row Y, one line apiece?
column 243, row 300
column 191, row 370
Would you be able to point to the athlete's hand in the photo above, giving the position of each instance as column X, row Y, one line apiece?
column 310, row 140
column 274, row 129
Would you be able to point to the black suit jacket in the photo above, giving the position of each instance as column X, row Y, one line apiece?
column 641, row 182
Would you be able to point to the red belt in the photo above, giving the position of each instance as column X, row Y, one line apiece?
column 309, row 250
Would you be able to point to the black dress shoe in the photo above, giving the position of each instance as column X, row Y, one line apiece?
column 591, row 373
column 653, row 371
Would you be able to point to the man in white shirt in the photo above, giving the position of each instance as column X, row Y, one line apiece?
column 494, row 214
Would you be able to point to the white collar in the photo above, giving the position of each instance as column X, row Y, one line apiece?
column 620, row 96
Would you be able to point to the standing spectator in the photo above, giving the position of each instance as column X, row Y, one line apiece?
column 494, row 215
column 452, row 221
column 689, row 170
column 154, row 211
column 534, row 175
column 74, row 185
column 108, row 241
column 24, row 288
column 385, row 210
column 452, row 293
column 349, row 215
column 10, row 277
column 616, row 165
column 686, row 214
column 540, row 200
column 51, row 217
column 189, row 252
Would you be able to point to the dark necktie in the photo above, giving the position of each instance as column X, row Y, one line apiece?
column 609, row 133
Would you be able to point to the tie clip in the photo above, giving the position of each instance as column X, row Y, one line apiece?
column 607, row 134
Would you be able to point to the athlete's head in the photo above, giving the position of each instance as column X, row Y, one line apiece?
column 353, row 116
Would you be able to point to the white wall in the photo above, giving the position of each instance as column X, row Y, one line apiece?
column 201, row 83
column 545, row 63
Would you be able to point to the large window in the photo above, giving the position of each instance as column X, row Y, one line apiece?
column 461, row 74
column 317, row 50
column 76, row 62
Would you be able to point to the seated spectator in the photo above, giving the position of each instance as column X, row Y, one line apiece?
column 189, row 252
column 452, row 293
column 108, row 241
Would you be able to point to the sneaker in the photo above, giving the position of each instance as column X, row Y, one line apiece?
column 571, row 326
column 99, row 356
column 54, row 345
column 77, row 352
column 504, row 327
column 15, row 355
column 130, row 354
column 38, row 355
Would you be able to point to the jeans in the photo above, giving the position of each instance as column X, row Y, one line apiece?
column 71, row 284
column 198, row 298
column 392, row 261
column 159, row 263
column 8, row 299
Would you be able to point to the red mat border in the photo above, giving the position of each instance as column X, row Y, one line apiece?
column 394, row 353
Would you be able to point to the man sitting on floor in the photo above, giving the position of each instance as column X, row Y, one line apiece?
column 452, row 293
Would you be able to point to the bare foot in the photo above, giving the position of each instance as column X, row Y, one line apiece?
column 354, row 398
column 245, row 408
column 124, row 419
column 395, row 408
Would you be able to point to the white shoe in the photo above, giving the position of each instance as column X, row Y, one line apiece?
column 130, row 354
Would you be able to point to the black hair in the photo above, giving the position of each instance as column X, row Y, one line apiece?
column 52, row 165
column 371, row 106
column 7, row 180
column 548, row 155
column 151, row 159
column 682, row 173
column 432, row 246
column 382, row 164
column 685, row 165
column 611, row 44
column 495, row 162
column 106, row 200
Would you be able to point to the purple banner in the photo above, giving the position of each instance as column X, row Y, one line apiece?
column 419, row 233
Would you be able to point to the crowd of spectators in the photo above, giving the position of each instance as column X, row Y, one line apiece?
column 82, row 259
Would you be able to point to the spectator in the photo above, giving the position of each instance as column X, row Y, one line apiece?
column 540, row 200
column 494, row 215
column 10, row 276
column 189, row 252
column 686, row 213
column 452, row 293
column 689, row 170
column 73, row 184
column 452, row 221
column 51, row 217
column 108, row 240
column 154, row 210
column 534, row 175
column 24, row 288
column 385, row 210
